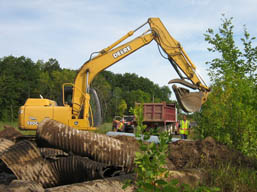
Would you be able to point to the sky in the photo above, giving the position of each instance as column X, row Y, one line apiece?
column 70, row 30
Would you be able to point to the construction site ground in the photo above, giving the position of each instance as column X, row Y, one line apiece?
column 187, row 160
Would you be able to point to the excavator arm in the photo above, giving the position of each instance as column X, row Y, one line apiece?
column 190, row 102
column 103, row 60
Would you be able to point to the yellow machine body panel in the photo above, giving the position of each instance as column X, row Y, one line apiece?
column 35, row 110
column 39, row 102
column 80, row 124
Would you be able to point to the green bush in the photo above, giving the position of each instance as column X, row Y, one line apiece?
column 151, row 172
column 230, row 112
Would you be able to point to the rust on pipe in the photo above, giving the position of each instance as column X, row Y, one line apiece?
column 5, row 144
column 81, row 169
column 26, row 162
column 113, row 184
column 98, row 147
column 51, row 153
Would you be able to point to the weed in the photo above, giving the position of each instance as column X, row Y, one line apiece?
column 230, row 178
column 151, row 173
column 104, row 128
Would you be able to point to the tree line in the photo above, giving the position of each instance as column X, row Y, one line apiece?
column 21, row 78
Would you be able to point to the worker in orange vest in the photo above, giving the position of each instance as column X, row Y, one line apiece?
column 184, row 126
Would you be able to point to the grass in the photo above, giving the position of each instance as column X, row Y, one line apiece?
column 104, row 128
column 233, row 179
column 13, row 124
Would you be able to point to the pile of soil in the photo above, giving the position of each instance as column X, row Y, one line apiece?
column 205, row 153
column 187, row 154
column 10, row 133
column 128, row 139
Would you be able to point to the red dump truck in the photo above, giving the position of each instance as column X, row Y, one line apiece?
column 160, row 115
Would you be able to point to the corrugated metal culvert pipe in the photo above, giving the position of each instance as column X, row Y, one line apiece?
column 26, row 162
column 5, row 144
column 81, row 169
column 51, row 153
column 98, row 147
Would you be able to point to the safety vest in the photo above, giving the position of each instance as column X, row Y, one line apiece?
column 120, row 126
column 184, row 127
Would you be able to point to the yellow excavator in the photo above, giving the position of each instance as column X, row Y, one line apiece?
column 78, row 113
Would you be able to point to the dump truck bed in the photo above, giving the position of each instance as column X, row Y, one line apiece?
column 160, row 112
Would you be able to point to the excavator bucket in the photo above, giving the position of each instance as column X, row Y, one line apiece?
column 189, row 101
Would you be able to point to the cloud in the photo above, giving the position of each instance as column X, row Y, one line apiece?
column 70, row 30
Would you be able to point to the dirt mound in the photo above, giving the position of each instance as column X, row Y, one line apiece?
column 128, row 139
column 204, row 153
column 10, row 133
column 185, row 154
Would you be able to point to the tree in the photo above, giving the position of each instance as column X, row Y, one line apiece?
column 59, row 77
column 104, row 90
column 230, row 112
column 52, row 78
column 122, row 107
column 130, row 88
column 51, row 65
column 116, row 99
column 136, row 96
column 19, row 79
